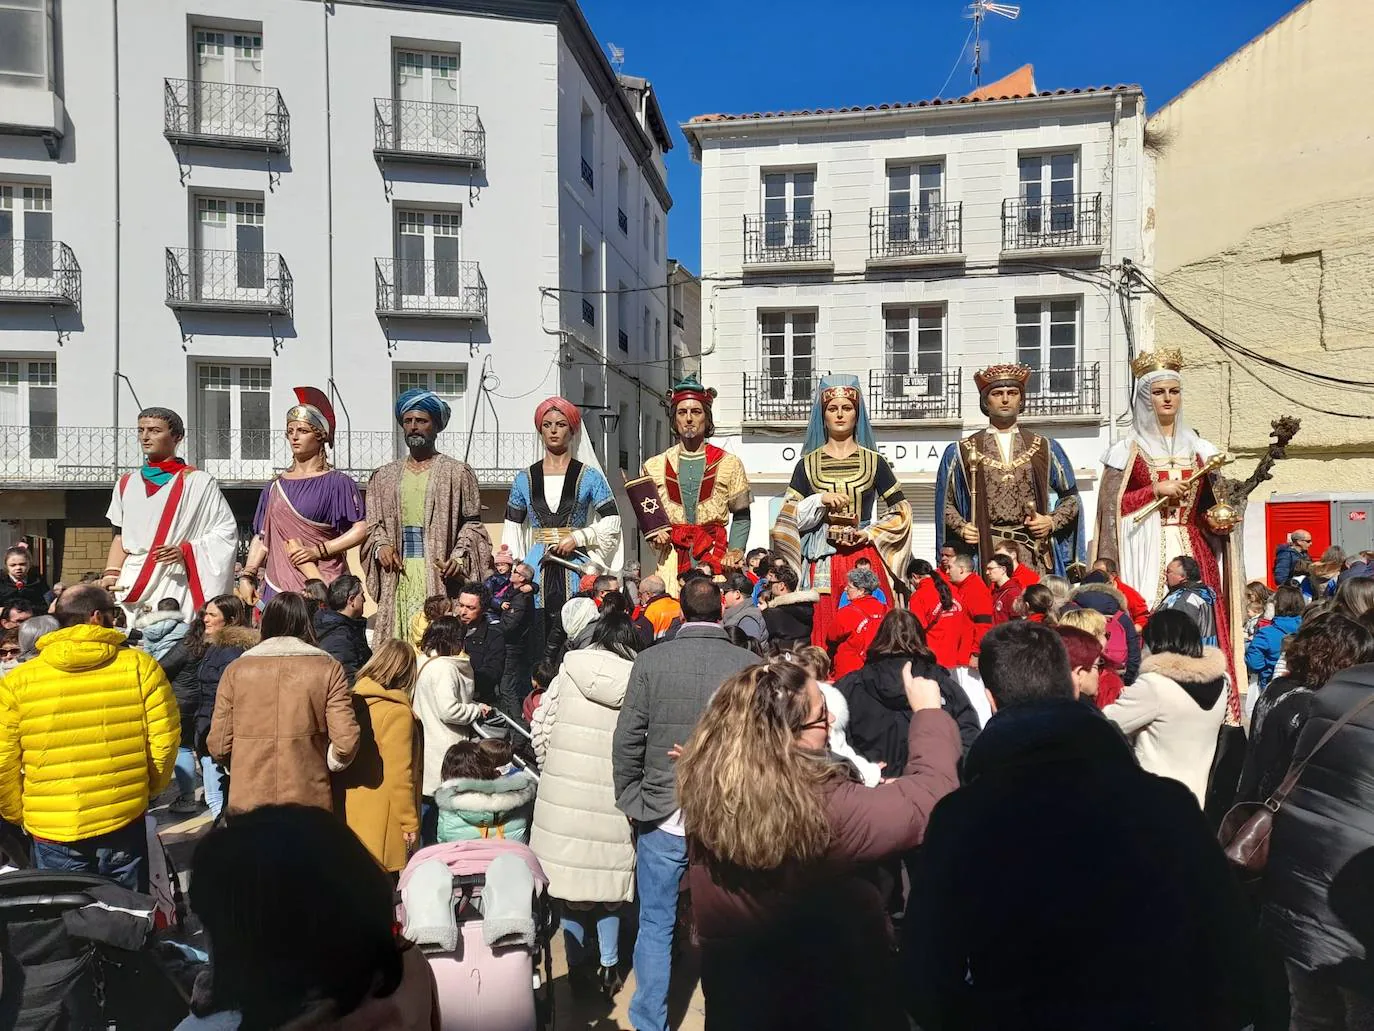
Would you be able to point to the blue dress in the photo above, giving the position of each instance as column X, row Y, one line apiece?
column 586, row 498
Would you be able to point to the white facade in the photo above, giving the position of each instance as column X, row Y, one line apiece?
column 360, row 197
column 910, row 247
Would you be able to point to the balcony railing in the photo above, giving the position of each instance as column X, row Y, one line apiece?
column 914, row 395
column 245, row 281
column 431, row 289
column 624, row 340
column 896, row 233
column 588, row 312
column 588, row 176
column 769, row 397
column 786, row 239
column 39, row 272
column 1058, row 223
column 1075, row 390
column 421, row 131
column 222, row 114
column 622, row 220
column 97, row 455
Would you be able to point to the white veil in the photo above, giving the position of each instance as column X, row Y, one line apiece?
column 1146, row 433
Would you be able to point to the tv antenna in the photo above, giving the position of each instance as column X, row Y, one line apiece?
column 617, row 57
column 978, row 10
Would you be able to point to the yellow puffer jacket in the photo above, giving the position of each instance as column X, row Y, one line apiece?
column 93, row 727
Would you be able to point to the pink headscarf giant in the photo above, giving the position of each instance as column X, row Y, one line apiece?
column 558, row 404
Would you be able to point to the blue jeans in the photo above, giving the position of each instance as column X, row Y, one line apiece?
column 661, row 860
column 213, row 775
column 185, row 772
column 121, row 855
column 577, row 923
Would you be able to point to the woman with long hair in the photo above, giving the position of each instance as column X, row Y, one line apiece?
column 1321, row 648
column 283, row 720
column 879, row 718
column 1173, row 710
column 949, row 629
column 582, row 840
column 1037, row 604
column 793, row 933
column 301, row 929
column 228, row 634
column 446, row 708
column 1355, row 597
column 380, row 796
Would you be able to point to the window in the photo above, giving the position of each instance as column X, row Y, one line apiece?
column 590, row 285
column 789, row 202
column 26, row 230
column 627, row 433
column 789, row 354
column 644, row 333
column 645, row 225
column 28, row 402
column 1047, row 343
column 658, row 338
column 678, row 320
column 622, row 197
column 233, row 413
column 228, row 57
column 1048, row 185
column 587, row 135
column 428, row 253
column 426, row 87
column 229, row 245
column 27, row 32
column 623, row 321
column 913, row 200
column 227, row 67
column 450, row 384
column 658, row 239
column 914, row 352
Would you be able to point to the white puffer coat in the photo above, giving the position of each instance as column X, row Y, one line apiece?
column 581, row 838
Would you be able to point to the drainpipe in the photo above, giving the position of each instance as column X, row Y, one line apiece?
column 115, row 378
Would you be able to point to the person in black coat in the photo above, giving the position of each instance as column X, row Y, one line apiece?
column 340, row 628
column 879, row 714
column 1094, row 894
column 181, row 666
column 1318, row 908
column 789, row 613
column 1322, row 647
column 19, row 579
column 516, row 621
column 483, row 641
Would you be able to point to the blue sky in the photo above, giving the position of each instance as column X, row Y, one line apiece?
column 760, row 55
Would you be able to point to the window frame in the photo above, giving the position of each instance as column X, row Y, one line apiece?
column 775, row 380
column 33, row 372
column 1047, row 378
column 238, row 447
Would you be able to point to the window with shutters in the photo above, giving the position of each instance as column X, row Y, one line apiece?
column 28, row 403
column 232, row 418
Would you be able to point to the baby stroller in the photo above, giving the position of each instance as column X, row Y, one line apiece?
column 480, row 910
column 496, row 724
column 81, row 952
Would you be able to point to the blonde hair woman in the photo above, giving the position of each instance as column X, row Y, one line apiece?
column 777, row 829
column 380, row 796
column 1089, row 620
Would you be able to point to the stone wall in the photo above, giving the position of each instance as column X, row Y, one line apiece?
column 84, row 550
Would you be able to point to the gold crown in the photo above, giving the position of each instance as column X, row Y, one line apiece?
column 829, row 393
column 1164, row 359
column 1009, row 374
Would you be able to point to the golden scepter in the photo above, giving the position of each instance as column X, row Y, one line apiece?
column 1189, row 486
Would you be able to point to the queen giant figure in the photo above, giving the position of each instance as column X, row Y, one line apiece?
column 1155, row 497
column 830, row 515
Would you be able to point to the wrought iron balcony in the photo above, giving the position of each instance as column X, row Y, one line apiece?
column 904, row 396
column 588, row 312
column 588, row 176
column 622, row 220
column 780, row 398
column 898, row 234
column 431, row 289
column 1075, row 390
column 39, row 272
column 787, row 239
column 1059, row 223
column 94, row 456
column 245, row 281
column 416, row 130
column 222, row 114
column 624, row 340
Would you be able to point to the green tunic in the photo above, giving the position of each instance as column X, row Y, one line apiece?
column 410, row 589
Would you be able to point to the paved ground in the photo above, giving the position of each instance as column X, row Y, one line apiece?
column 686, row 1007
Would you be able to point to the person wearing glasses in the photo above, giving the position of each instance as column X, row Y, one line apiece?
column 1290, row 556
column 89, row 731
column 9, row 650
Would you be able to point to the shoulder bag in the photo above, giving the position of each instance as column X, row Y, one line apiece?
column 1244, row 833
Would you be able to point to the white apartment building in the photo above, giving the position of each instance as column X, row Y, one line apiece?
column 910, row 245
column 204, row 203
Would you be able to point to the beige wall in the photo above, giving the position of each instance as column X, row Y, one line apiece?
column 1264, row 229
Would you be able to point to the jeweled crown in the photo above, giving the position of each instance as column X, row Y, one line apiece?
column 830, row 393
column 1164, row 359
column 1009, row 373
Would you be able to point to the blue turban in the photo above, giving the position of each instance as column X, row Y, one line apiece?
column 426, row 401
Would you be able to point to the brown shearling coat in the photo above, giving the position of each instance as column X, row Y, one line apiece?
column 283, row 722
column 379, row 788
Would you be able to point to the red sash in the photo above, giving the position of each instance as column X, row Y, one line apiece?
column 164, row 526
column 695, row 543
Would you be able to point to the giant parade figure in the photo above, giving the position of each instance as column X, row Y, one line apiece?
column 689, row 492
column 307, row 517
column 1005, row 483
column 829, row 520
column 1157, row 500
column 175, row 536
column 562, row 507
column 424, row 520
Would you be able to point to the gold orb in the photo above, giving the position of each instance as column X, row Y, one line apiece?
column 1222, row 519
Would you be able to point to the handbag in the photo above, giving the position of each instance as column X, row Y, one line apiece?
column 1244, row 833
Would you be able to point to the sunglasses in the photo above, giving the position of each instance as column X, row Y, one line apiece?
column 823, row 720
column 8, row 653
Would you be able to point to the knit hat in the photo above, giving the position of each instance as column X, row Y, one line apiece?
column 503, row 554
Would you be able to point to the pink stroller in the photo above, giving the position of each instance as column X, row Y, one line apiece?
column 487, row 965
